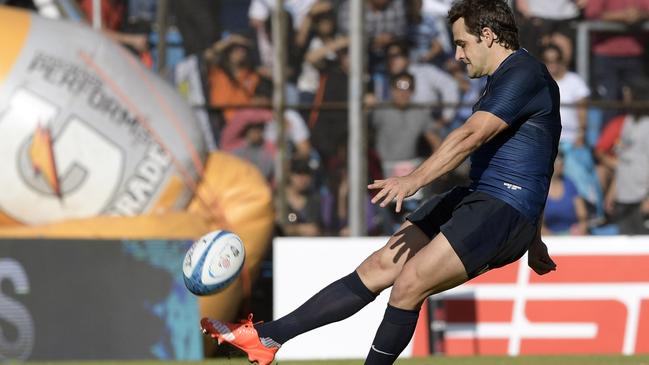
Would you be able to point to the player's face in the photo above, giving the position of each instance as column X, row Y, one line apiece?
column 469, row 51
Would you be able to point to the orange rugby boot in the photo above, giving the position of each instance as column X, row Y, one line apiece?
column 243, row 336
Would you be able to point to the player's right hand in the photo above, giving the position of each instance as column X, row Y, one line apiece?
column 539, row 259
column 394, row 189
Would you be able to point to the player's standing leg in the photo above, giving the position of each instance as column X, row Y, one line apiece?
column 434, row 269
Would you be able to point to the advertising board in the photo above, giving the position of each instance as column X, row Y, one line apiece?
column 597, row 302
column 83, row 299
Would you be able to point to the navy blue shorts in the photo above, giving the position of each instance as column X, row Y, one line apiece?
column 485, row 232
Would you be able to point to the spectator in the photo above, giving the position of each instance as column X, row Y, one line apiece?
column 256, row 150
column 379, row 221
column 200, row 22
column 579, row 167
column 261, row 10
column 606, row 147
column 470, row 91
column 399, row 155
column 423, row 35
column 321, row 50
column 573, row 90
column 298, row 133
column 579, row 163
column 434, row 85
column 267, row 56
column 617, row 58
column 544, row 22
column 117, row 25
column 329, row 129
column 232, row 80
column 565, row 211
column 321, row 9
column 629, row 195
column 304, row 216
column 438, row 9
column 385, row 22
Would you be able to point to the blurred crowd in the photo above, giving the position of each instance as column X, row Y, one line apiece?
column 415, row 94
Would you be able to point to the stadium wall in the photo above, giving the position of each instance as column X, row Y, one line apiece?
column 597, row 302
column 91, row 299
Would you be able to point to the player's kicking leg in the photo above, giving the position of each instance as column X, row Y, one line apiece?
column 335, row 302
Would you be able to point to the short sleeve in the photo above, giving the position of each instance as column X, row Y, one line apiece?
column 508, row 95
column 610, row 135
column 581, row 90
column 297, row 128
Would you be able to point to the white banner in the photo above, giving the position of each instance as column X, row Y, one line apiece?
column 596, row 302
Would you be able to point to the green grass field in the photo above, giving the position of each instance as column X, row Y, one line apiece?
column 523, row 360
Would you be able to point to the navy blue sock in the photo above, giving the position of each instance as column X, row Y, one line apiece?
column 393, row 335
column 339, row 300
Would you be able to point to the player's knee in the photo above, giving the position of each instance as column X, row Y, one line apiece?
column 407, row 287
column 380, row 262
column 378, row 271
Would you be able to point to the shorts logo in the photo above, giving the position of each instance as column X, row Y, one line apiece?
column 511, row 186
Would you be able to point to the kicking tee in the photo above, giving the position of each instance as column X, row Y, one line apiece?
column 517, row 164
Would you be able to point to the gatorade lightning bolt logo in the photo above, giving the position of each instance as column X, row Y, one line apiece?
column 43, row 168
column 60, row 164
column 42, row 158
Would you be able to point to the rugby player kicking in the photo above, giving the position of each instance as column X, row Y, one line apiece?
column 512, row 138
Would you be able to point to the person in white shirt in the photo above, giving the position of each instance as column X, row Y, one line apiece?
column 317, row 36
column 260, row 10
column 434, row 85
column 579, row 162
column 573, row 90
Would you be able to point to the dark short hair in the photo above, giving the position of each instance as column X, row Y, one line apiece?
column 398, row 44
column 493, row 14
column 327, row 15
column 400, row 76
column 301, row 166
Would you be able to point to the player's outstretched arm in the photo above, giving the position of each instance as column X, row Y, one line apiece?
column 458, row 145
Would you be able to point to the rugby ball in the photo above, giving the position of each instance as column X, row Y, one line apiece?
column 213, row 262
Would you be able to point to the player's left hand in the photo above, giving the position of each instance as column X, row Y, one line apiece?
column 394, row 189
column 539, row 259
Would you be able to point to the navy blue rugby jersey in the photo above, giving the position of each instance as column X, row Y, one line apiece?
column 517, row 164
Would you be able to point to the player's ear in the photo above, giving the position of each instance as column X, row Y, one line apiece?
column 488, row 35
